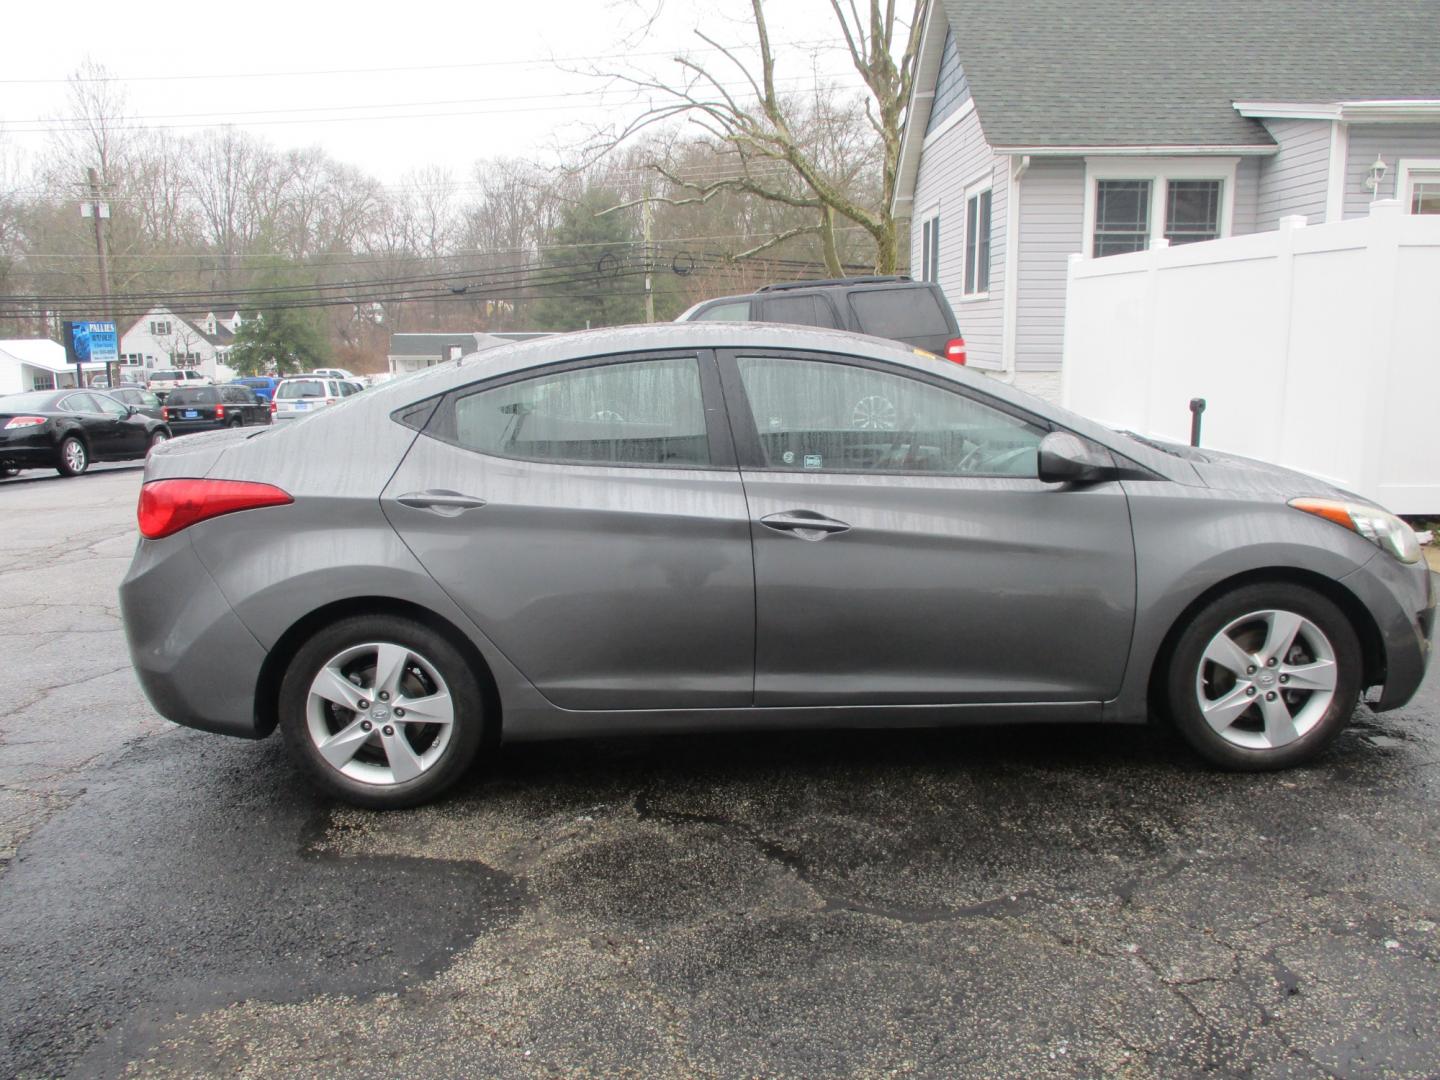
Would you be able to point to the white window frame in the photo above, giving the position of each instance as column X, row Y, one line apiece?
column 930, row 215
column 974, row 190
column 1159, row 171
column 1405, row 168
column 160, row 327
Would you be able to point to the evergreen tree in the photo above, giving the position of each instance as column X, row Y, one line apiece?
column 591, row 276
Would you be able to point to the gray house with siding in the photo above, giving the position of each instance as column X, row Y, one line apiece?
column 1042, row 128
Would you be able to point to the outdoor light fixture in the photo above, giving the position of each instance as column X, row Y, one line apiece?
column 1377, row 173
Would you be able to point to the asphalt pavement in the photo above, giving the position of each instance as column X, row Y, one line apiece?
column 1031, row 901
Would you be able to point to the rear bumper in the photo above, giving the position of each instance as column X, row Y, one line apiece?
column 1401, row 599
column 29, row 448
column 196, row 661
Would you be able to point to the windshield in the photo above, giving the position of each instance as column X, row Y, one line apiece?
column 39, row 401
column 193, row 396
column 300, row 388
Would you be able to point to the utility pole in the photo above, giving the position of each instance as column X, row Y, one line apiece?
column 645, row 214
column 100, row 211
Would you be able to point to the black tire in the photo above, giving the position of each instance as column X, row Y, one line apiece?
column 7, row 471
column 158, row 436
column 238, row 421
column 466, row 737
column 1182, row 692
column 74, row 456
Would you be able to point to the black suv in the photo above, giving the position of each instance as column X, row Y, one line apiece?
column 206, row 408
column 915, row 312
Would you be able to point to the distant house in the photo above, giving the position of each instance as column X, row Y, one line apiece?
column 164, row 338
column 413, row 352
column 1042, row 128
column 37, row 364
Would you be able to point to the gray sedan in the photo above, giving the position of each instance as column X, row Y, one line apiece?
column 721, row 526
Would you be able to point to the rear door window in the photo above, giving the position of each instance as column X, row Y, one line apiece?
column 807, row 310
column 641, row 412
column 899, row 313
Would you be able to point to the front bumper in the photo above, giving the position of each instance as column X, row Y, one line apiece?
column 1401, row 600
column 195, row 659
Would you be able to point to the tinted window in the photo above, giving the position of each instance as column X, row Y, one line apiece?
column 899, row 313
column 147, row 399
column 196, row 395
column 300, row 388
column 816, row 416
column 736, row 312
column 164, row 375
column 808, row 310
column 79, row 403
column 646, row 412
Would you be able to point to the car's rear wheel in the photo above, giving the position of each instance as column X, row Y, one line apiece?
column 158, row 436
column 1265, row 677
column 74, row 457
column 382, row 711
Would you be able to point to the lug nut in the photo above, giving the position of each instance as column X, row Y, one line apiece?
column 1249, row 691
column 365, row 725
column 399, row 711
column 364, row 704
column 1250, row 670
column 1270, row 662
column 1270, row 696
column 385, row 694
column 1284, row 679
column 387, row 730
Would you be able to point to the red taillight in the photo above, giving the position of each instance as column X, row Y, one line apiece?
column 272, row 406
column 24, row 421
column 164, row 412
column 167, row 506
column 219, row 412
column 955, row 350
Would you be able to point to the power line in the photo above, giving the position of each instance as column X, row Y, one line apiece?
column 814, row 46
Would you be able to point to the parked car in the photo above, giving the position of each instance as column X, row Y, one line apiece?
column 66, row 430
column 162, row 380
column 139, row 399
column 302, row 395
column 697, row 526
column 333, row 373
column 208, row 408
column 915, row 312
column 263, row 385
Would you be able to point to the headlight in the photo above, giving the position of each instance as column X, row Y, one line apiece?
column 1381, row 528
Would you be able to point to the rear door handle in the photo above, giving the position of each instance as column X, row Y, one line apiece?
column 805, row 524
column 441, row 501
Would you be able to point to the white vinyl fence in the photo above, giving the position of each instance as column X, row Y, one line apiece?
column 1315, row 347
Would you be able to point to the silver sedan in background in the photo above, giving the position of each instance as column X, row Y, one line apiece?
column 722, row 526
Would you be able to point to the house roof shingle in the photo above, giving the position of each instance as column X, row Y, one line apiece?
column 1127, row 73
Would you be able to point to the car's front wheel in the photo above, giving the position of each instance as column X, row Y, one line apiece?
column 158, row 436
column 74, row 457
column 1265, row 677
column 382, row 711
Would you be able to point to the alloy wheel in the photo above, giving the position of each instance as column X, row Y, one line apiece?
column 1266, row 679
column 380, row 713
column 74, row 451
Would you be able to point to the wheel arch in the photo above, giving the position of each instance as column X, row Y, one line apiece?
column 1372, row 648
column 272, row 671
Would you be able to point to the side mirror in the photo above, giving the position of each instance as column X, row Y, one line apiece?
column 131, row 410
column 1069, row 459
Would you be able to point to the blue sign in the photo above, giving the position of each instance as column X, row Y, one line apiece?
column 91, row 342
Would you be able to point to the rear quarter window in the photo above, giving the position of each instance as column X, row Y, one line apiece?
column 899, row 313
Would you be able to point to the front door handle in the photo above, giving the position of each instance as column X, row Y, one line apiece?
column 441, row 501
column 805, row 524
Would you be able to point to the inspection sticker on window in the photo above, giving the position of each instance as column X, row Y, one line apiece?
column 813, row 461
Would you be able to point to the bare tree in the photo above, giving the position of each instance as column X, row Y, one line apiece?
column 817, row 153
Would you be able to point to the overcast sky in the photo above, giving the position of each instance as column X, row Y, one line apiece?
column 465, row 81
